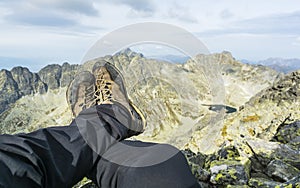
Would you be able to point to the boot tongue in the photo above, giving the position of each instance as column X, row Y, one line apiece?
column 118, row 96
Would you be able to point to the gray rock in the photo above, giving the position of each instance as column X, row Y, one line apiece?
column 286, row 89
column 237, row 186
column 68, row 74
column 196, row 162
column 266, row 183
column 203, row 175
column 17, row 83
column 51, row 75
column 229, row 152
column 295, row 143
column 288, row 155
column 287, row 133
column 229, row 172
column 295, row 182
column 28, row 82
column 192, row 157
column 281, row 171
column 9, row 91
column 265, row 152
column 205, row 185
column 262, row 183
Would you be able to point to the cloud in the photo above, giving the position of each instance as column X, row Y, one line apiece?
column 137, row 5
column 71, row 6
column 287, row 23
column 40, row 19
column 182, row 13
column 226, row 14
column 296, row 42
column 275, row 24
column 48, row 13
column 137, row 8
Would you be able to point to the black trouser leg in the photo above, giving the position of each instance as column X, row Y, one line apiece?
column 52, row 157
column 135, row 164
column 61, row 156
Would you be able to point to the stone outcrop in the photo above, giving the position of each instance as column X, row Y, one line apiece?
column 17, row 83
column 249, row 162
column 56, row 76
column 51, row 75
column 21, row 82
column 68, row 72
column 289, row 134
column 28, row 82
column 8, row 90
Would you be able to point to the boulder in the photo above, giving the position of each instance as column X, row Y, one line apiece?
column 196, row 162
column 287, row 133
column 262, row 182
column 230, row 172
column 266, row 151
column 281, row 171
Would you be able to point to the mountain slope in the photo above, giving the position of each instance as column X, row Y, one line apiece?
column 261, row 117
column 177, row 99
column 36, row 111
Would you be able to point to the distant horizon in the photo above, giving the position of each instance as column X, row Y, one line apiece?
column 35, row 65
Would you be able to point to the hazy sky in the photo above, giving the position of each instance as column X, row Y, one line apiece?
column 39, row 32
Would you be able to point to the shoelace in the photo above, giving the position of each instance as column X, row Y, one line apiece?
column 89, row 99
column 103, row 91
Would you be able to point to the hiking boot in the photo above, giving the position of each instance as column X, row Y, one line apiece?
column 110, row 89
column 80, row 93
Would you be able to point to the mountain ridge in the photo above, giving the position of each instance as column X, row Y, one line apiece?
column 222, row 112
column 180, row 94
column 279, row 64
column 20, row 81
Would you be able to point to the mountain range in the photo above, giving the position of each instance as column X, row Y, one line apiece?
column 218, row 110
column 173, row 95
column 279, row 64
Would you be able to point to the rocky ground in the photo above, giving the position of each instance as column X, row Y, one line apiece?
column 259, row 146
column 236, row 123
column 252, row 162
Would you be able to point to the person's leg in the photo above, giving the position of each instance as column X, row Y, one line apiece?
column 135, row 164
column 62, row 156
column 52, row 157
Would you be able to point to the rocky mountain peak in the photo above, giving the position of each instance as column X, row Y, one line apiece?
column 51, row 75
column 129, row 53
column 8, row 89
column 28, row 82
column 241, row 81
column 20, row 81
